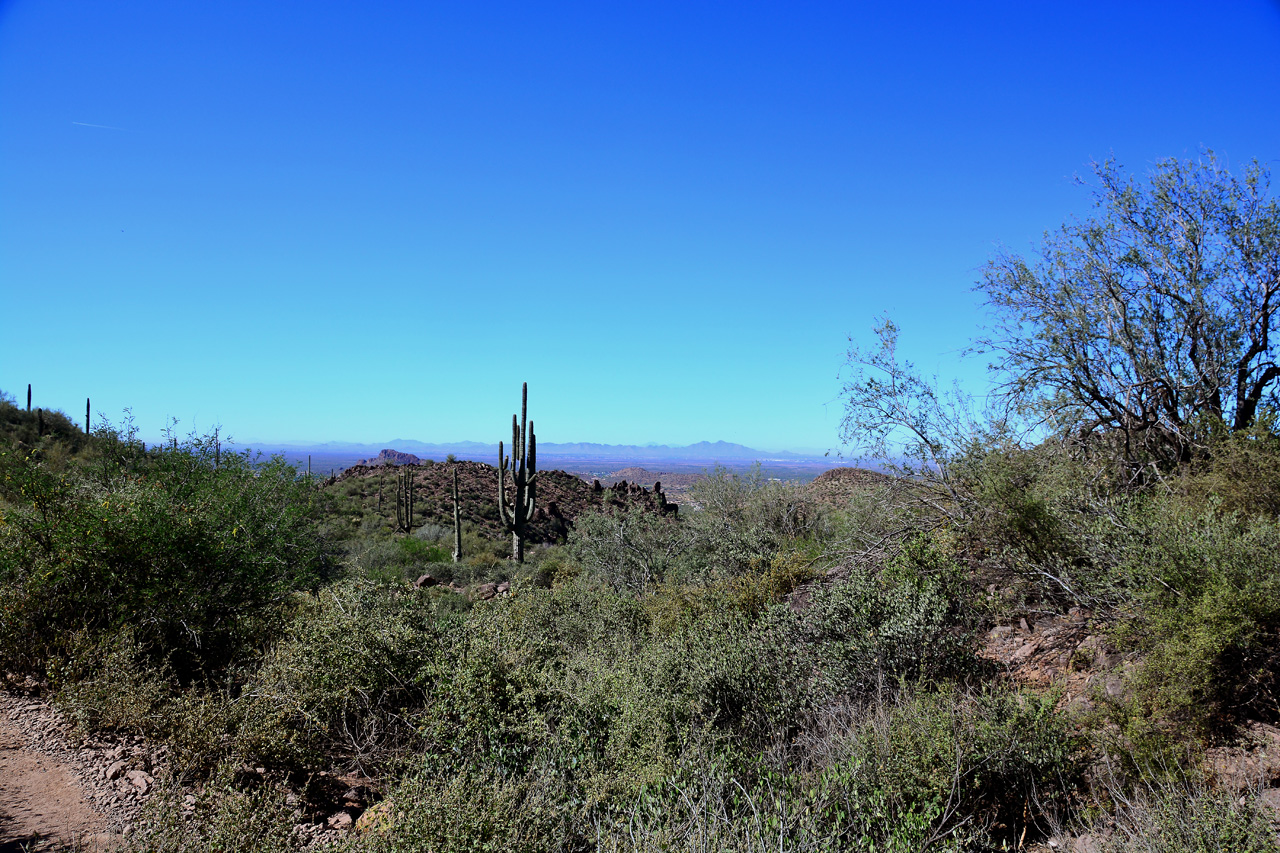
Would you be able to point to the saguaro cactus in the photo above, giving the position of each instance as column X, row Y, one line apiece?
column 524, row 476
column 28, row 396
column 457, row 520
column 404, row 500
column 86, row 415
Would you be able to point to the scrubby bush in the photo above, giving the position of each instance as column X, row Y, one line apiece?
column 1208, row 617
column 869, row 631
column 745, row 520
column 347, row 677
column 196, row 557
column 1182, row 815
column 631, row 549
column 228, row 814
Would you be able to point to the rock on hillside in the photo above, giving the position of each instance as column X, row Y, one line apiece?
column 835, row 488
column 562, row 497
column 391, row 457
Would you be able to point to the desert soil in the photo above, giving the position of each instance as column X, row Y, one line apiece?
column 55, row 792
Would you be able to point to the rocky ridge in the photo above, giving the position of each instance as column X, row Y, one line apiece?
column 562, row 497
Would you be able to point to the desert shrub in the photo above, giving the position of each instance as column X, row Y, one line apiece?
column 229, row 814
column 1240, row 471
column 437, row 533
column 445, row 808
column 1009, row 502
column 1183, row 815
column 347, row 676
column 745, row 520
column 198, row 558
column 110, row 682
column 1208, row 618
column 945, row 770
column 872, row 630
column 630, row 549
column 388, row 558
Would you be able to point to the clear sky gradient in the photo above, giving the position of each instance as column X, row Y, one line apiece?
column 313, row 221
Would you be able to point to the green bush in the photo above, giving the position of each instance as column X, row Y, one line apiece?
column 1208, row 619
column 1184, row 816
column 743, row 521
column 347, row 677
column 197, row 558
column 944, row 770
column 229, row 814
column 869, row 632
column 631, row 549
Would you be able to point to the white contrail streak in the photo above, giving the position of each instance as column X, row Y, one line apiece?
column 103, row 126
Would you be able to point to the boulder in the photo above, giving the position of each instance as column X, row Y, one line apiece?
column 484, row 592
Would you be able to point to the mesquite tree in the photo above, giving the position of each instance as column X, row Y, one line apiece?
column 524, row 477
column 1151, row 321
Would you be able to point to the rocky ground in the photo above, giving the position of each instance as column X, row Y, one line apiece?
column 62, row 791
column 57, row 790
column 1071, row 653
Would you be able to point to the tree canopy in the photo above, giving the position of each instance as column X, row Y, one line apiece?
column 1152, row 319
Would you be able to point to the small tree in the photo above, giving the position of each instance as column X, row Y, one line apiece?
column 1151, row 319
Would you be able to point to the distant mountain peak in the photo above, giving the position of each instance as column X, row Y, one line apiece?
column 391, row 457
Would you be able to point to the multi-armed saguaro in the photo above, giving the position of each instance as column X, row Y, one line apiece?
column 404, row 500
column 524, row 476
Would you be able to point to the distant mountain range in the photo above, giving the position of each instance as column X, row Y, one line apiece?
column 703, row 451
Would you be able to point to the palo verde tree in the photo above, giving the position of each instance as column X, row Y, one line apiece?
column 1151, row 321
column 524, row 477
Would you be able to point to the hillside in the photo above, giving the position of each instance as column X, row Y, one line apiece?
column 835, row 488
column 562, row 497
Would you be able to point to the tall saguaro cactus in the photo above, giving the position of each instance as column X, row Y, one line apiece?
column 524, row 476
column 86, row 415
column 457, row 519
column 404, row 500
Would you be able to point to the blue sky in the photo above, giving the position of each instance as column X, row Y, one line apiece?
column 321, row 221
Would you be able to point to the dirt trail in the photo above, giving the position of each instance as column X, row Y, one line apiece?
column 44, row 803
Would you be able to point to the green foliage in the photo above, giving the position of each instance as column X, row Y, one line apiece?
column 229, row 815
column 197, row 559
column 869, row 632
column 350, row 670
column 630, row 549
column 1185, row 816
column 1209, row 618
column 1240, row 470
column 745, row 520
column 466, row 809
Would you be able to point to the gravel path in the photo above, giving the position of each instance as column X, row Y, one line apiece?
column 60, row 790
